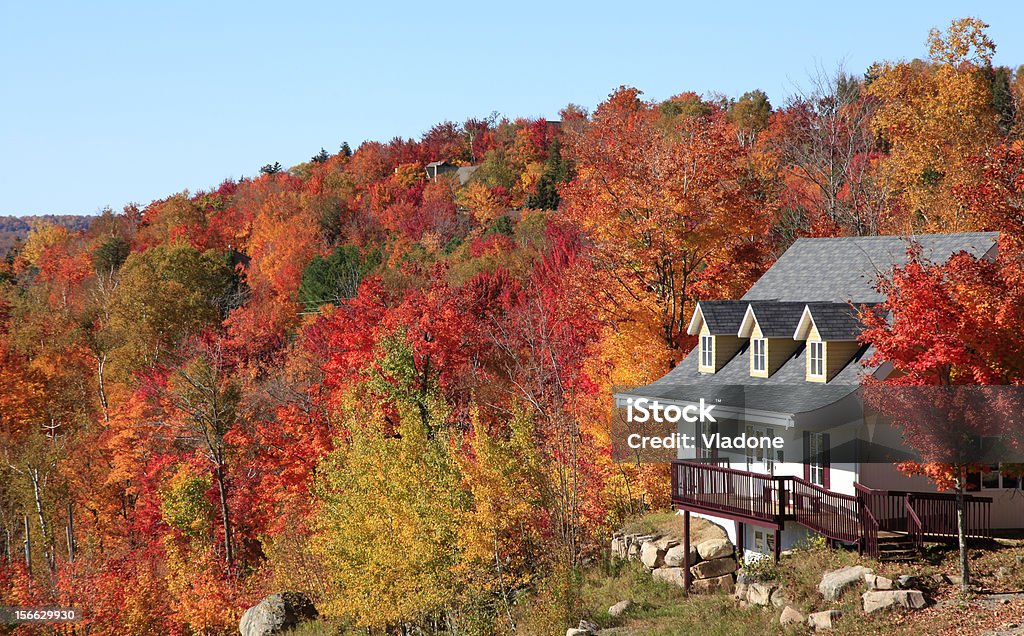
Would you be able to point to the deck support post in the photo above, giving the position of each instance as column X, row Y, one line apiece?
column 741, row 531
column 778, row 545
column 687, row 578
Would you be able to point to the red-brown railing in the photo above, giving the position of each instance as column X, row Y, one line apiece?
column 915, row 529
column 736, row 492
column 851, row 518
column 869, row 529
column 936, row 512
column 833, row 514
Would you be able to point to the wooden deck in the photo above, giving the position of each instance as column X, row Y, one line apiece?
column 869, row 519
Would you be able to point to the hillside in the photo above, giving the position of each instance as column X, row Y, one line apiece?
column 14, row 229
column 381, row 378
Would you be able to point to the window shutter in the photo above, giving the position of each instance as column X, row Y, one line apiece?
column 807, row 455
column 826, row 461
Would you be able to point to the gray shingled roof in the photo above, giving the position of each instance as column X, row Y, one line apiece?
column 811, row 271
column 838, row 321
column 723, row 317
column 777, row 319
column 786, row 391
column 845, row 269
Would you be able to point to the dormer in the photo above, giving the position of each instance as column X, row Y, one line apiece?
column 768, row 326
column 716, row 322
column 830, row 331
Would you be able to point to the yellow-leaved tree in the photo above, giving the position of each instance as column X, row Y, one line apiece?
column 935, row 117
column 391, row 510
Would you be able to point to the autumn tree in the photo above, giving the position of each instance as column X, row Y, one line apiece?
column 208, row 402
column 948, row 325
column 934, row 117
column 827, row 154
column 664, row 195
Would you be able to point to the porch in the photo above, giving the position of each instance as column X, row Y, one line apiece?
column 881, row 523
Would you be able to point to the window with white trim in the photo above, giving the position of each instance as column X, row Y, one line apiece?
column 816, row 359
column 759, row 354
column 816, row 458
column 998, row 476
column 707, row 352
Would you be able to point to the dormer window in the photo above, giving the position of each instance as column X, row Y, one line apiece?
column 759, row 355
column 816, row 359
column 707, row 353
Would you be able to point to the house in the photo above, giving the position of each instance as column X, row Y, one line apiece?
column 785, row 362
column 437, row 169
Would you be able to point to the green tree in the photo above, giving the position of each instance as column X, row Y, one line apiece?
column 336, row 277
column 166, row 294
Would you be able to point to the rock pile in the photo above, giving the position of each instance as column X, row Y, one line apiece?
column 712, row 561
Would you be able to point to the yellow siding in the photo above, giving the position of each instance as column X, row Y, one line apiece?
column 838, row 355
column 725, row 348
column 777, row 350
column 780, row 350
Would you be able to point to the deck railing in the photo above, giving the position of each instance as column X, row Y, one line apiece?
column 731, row 491
column 757, row 497
column 936, row 512
column 833, row 514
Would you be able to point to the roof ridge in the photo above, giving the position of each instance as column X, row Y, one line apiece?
column 892, row 236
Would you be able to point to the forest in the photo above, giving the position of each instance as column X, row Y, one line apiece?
column 391, row 388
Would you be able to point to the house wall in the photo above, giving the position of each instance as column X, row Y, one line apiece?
column 724, row 349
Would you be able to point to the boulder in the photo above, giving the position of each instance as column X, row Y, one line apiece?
column 714, row 549
column 715, row 567
column 651, row 555
column 669, row 575
column 819, row 621
column 760, row 594
column 907, row 582
column 791, row 617
column 875, row 582
column 892, row 599
column 741, row 590
column 277, row 614
column 587, row 626
column 572, row 631
column 724, row 584
column 619, row 547
column 834, row 583
column 620, row 608
column 779, row 598
column 633, row 550
column 674, row 556
column 666, row 542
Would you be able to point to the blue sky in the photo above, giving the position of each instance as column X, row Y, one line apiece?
column 105, row 103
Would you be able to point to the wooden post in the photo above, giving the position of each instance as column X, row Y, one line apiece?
column 778, row 545
column 686, row 551
column 28, row 547
column 741, row 531
column 71, row 534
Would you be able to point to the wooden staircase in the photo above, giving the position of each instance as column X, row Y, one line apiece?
column 897, row 546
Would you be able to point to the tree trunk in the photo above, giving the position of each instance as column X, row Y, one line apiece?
column 961, row 528
column 222, row 489
column 28, row 547
column 71, row 533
